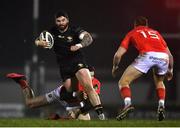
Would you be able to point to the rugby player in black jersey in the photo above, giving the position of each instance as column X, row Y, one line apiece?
column 68, row 42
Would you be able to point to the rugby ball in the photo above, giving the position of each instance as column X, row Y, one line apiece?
column 46, row 36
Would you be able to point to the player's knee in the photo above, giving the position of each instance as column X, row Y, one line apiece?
column 82, row 72
column 124, row 82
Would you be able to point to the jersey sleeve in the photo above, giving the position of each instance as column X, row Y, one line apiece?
column 126, row 41
column 163, row 41
column 78, row 30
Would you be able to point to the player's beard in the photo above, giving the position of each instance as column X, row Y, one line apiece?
column 63, row 27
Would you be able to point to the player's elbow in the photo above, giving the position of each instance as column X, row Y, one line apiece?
column 117, row 55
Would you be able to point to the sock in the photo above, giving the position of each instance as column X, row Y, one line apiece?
column 126, row 94
column 87, row 106
column 161, row 103
column 99, row 109
column 161, row 93
column 127, row 101
column 23, row 84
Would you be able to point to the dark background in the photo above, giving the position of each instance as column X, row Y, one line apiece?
column 108, row 22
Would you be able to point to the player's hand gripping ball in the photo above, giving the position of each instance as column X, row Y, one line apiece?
column 46, row 36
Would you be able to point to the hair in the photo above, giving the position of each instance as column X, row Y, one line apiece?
column 61, row 13
column 141, row 21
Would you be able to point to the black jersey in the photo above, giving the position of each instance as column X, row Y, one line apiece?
column 63, row 42
column 69, row 62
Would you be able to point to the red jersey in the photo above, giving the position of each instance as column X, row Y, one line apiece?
column 96, row 85
column 145, row 39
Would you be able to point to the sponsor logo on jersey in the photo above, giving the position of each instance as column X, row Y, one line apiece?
column 69, row 39
column 60, row 36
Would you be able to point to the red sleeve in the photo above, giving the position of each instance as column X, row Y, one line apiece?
column 126, row 41
column 163, row 41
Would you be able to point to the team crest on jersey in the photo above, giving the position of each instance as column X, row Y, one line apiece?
column 69, row 39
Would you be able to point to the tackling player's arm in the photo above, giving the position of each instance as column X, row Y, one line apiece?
column 169, row 74
column 120, row 52
column 86, row 40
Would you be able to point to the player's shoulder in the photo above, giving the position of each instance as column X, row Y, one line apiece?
column 76, row 28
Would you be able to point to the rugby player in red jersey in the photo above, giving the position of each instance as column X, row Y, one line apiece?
column 76, row 105
column 153, row 53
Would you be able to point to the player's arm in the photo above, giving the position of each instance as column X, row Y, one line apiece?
column 37, row 102
column 86, row 40
column 169, row 74
column 120, row 52
column 117, row 58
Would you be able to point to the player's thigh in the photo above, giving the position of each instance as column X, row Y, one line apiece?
column 67, row 84
column 84, row 77
column 158, row 79
column 130, row 74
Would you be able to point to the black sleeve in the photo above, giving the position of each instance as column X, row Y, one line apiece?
column 78, row 30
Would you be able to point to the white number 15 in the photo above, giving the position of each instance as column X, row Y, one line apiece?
column 150, row 34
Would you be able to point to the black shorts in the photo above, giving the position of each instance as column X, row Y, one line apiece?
column 69, row 70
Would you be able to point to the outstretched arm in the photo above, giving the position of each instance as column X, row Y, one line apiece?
column 117, row 58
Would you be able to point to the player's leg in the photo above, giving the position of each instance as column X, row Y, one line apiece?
column 159, row 72
column 30, row 100
column 84, row 77
column 161, row 93
column 69, row 89
column 130, row 74
column 67, row 84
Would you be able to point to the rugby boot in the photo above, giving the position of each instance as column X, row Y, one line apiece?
column 16, row 77
column 125, row 112
column 161, row 113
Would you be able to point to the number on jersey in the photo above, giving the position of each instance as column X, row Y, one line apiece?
column 149, row 34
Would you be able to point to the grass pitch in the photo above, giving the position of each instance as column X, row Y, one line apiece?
column 36, row 122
